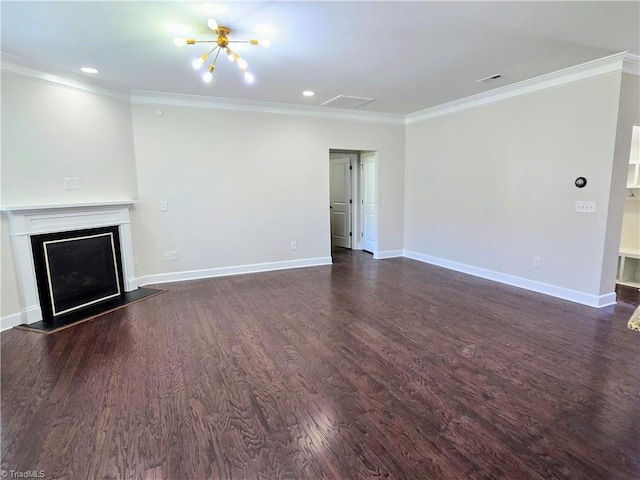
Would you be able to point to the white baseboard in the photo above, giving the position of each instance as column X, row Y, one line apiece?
column 388, row 254
column 235, row 270
column 597, row 301
column 133, row 284
column 10, row 321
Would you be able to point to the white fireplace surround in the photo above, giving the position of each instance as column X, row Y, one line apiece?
column 28, row 220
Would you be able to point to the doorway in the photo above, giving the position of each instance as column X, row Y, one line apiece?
column 628, row 274
column 353, row 200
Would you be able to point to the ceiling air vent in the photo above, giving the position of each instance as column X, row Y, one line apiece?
column 490, row 77
column 345, row 101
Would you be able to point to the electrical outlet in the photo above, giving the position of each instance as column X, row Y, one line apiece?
column 585, row 207
column 167, row 255
column 294, row 245
column 536, row 262
column 68, row 183
column 174, row 255
column 164, row 206
column 75, row 183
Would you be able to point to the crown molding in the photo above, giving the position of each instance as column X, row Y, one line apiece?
column 631, row 64
column 18, row 66
column 12, row 65
column 141, row 97
column 620, row 62
column 577, row 73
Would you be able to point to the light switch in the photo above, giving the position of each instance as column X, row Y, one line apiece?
column 164, row 206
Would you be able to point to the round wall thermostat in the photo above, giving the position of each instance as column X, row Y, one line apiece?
column 581, row 182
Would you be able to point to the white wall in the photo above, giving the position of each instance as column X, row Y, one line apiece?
column 50, row 132
column 241, row 186
column 489, row 187
column 492, row 187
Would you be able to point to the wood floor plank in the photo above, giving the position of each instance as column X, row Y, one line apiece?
column 362, row 369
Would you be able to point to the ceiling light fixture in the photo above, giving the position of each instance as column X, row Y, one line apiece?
column 89, row 70
column 308, row 93
column 222, row 45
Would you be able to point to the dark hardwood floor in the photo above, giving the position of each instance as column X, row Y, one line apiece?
column 365, row 369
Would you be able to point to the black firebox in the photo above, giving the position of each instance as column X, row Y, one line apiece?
column 77, row 270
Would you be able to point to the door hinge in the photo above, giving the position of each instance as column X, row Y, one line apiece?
column 362, row 234
column 350, row 167
column 351, row 200
column 350, row 234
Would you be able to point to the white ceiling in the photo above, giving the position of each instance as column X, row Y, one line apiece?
column 407, row 55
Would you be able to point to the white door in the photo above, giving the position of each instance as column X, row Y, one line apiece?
column 369, row 203
column 340, row 192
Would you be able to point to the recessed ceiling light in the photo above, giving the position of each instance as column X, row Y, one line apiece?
column 308, row 93
column 89, row 70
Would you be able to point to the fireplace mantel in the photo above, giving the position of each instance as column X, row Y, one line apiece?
column 28, row 220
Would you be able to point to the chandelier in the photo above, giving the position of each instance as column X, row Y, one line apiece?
column 221, row 45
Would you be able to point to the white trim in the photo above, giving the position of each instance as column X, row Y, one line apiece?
column 52, row 295
column 142, row 97
column 597, row 301
column 631, row 64
column 388, row 254
column 577, row 73
column 50, row 206
column 234, row 270
column 10, row 321
column 64, row 79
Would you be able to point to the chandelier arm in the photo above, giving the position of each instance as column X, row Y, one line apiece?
column 213, row 50
column 216, row 57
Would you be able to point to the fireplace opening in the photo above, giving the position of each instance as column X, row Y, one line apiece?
column 77, row 270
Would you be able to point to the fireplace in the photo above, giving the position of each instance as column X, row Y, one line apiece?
column 76, row 270
column 99, row 231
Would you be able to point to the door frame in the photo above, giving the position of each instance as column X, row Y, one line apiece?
column 374, row 154
column 352, row 162
column 357, row 218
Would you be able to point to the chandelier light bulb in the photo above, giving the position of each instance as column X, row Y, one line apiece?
column 212, row 24
column 220, row 45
